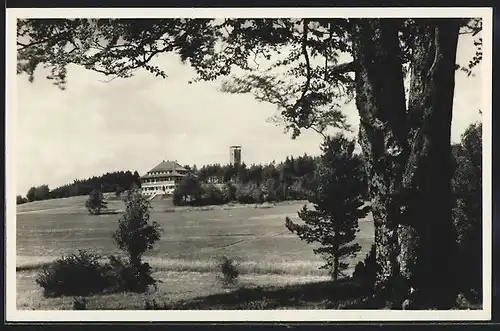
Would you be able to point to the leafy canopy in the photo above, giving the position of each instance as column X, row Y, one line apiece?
column 303, row 66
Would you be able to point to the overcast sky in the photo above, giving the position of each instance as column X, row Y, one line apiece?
column 95, row 127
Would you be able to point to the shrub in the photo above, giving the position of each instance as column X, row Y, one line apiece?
column 135, row 235
column 249, row 193
column 77, row 275
column 189, row 191
column 20, row 200
column 366, row 270
column 229, row 192
column 95, row 202
column 127, row 277
column 153, row 305
column 467, row 208
column 119, row 190
column 212, row 195
column 229, row 272
column 178, row 198
column 80, row 304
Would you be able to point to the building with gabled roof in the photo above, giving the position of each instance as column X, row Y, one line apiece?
column 163, row 178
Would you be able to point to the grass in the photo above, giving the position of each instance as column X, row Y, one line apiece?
column 176, row 287
column 342, row 294
column 267, row 254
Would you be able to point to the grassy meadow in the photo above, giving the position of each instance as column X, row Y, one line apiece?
column 267, row 254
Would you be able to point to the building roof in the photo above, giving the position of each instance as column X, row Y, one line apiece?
column 171, row 167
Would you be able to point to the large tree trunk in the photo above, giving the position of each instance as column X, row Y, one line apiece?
column 407, row 156
column 429, row 169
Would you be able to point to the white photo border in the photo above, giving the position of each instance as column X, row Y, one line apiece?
column 14, row 315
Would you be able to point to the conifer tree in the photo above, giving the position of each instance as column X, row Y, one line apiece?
column 338, row 204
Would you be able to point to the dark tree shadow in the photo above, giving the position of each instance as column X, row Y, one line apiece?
column 109, row 212
column 342, row 294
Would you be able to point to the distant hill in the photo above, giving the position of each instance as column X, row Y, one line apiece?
column 117, row 181
column 108, row 182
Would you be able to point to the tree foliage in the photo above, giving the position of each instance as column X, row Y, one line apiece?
column 38, row 193
column 95, row 202
column 292, row 63
column 467, row 208
column 338, row 204
column 136, row 234
column 20, row 200
column 108, row 182
column 309, row 68
column 189, row 191
column 30, row 195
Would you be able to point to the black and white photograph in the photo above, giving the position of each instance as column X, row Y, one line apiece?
column 248, row 164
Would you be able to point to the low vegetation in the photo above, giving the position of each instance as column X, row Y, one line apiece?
column 366, row 271
column 84, row 273
column 135, row 236
column 95, row 203
column 74, row 275
column 228, row 271
column 292, row 179
column 118, row 181
column 341, row 192
column 20, row 200
column 467, row 210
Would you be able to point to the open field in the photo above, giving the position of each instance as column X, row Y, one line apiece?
column 266, row 252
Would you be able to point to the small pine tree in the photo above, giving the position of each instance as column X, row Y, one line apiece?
column 338, row 204
column 135, row 234
column 95, row 203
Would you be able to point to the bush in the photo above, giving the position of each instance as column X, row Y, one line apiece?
column 189, row 191
column 119, row 190
column 229, row 192
column 80, row 304
column 229, row 272
column 211, row 195
column 366, row 271
column 20, row 200
column 135, row 235
column 467, row 209
column 178, row 198
column 81, row 274
column 95, row 203
column 76, row 275
column 129, row 278
column 249, row 193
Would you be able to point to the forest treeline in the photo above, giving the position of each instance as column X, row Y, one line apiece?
column 117, row 181
column 293, row 179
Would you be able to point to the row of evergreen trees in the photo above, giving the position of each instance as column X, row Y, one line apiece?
column 117, row 181
column 292, row 179
column 287, row 171
column 286, row 180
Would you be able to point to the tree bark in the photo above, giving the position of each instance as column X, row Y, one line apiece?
column 428, row 170
column 336, row 265
column 407, row 156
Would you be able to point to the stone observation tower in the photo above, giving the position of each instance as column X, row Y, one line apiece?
column 235, row 155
